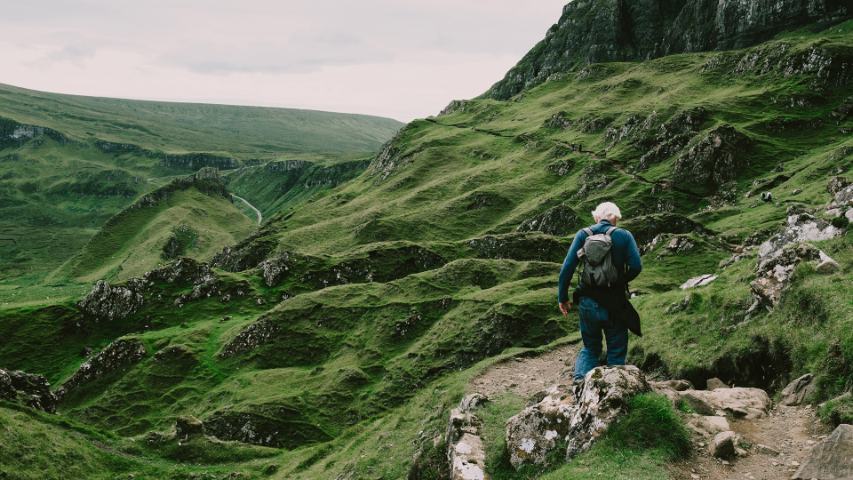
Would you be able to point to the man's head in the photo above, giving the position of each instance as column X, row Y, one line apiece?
column 607, row 211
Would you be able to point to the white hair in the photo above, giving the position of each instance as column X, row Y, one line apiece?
column 607, row 211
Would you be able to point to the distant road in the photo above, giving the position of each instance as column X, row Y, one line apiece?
column 257, row 212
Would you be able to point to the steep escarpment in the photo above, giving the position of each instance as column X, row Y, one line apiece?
column 594, row 31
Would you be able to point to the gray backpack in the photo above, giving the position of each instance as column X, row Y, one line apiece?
column 595, row 259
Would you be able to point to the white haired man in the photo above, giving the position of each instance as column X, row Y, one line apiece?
column 602, row 303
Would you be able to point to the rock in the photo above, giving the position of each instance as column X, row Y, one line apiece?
column 391, row 158
column 108, row 303
column 715, row 383
column 836, row 184
column 269, row 425
column 826, row 264
column 723, row 445
column 187, row 427
column 559, row 120
column 766, row 197
column 679, row 245
column 799, row 227
column 27, row 389
column 699, row 281
column 579, row 420
column 518, row 246
column 560, row 220
column 739, row 402
column 714, row 160
column 798, row 391
column 534, row 433
column 465, row 452
column 256, row 334
column 455, row 106
column 764, row 449
column 117, row 356
column 775, row 268
column 707, row 425
column 832, row 459
column 600, row 32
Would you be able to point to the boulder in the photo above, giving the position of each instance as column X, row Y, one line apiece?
column 578, row 419
column 798, row 391
column 723, row 445
column 535, row 432
column 707, row 425
column 187, row 427
column 832, row 459
column 715, row 383
column 109, row 303
column 737, row 402
column 699, row 281
column 27, row 389
column 117, row 356
column 254, row 335
column 465, row 452
column 826, row 264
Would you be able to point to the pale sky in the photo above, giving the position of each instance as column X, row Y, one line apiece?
column 396, row 58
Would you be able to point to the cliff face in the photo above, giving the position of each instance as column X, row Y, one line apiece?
column 592, row 31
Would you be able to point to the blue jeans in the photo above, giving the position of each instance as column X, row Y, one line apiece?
column 594, row 321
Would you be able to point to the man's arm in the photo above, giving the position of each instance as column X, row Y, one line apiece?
column 632, row 260
column 569, row 266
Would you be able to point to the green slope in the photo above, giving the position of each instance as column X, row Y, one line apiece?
column 69, row 163
column 385, row 295
column 245, row 132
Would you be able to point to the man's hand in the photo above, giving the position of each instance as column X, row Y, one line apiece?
column 565, row 307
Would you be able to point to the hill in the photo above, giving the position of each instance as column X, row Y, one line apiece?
column 69, row 163
column 333, row 341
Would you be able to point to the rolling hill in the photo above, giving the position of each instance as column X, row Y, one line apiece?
column 70, row 163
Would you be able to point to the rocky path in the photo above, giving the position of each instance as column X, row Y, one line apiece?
column 527, row 376
column 778, row 444
column 257, row 212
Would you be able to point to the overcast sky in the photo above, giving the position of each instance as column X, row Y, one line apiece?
column 395, row 58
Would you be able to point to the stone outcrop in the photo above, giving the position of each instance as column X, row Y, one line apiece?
column 465, row 452
column 249, row 338
column 27, row 389
column 391, row 158
column 577, row 419
column 277, row 426
column 699, row 281
column 518, row 246
column 798, row 391
column 842, row 198
column 830, row 459
column 723, row 445
column 597, row 31
column 738, row 402
column 560, row 220
column 714, row 160
column 108, row 303
column 117, row 356
column 780, row 255
column 187, row 427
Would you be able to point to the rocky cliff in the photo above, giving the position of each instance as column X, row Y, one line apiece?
column 592, row 31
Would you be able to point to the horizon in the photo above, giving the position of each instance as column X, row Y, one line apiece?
column 404, row 61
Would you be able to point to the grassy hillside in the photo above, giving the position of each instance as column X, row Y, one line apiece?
column 244, row 132
column 335, row 339
column 69, row 163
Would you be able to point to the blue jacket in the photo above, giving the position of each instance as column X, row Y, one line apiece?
column 624, row 253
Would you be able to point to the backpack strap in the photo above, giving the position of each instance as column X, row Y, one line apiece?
column 588, row 232
column 610, row 231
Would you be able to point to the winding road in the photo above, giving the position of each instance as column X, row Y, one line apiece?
column 257, row 212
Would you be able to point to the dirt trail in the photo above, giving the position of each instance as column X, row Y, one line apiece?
column 527, row 376
column 779, row 442
column 257, row 212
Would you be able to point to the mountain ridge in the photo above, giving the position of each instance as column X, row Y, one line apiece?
column 594, row 31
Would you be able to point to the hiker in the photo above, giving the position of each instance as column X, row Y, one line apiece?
column 609, row 259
